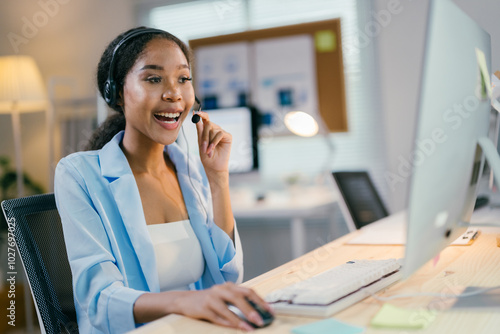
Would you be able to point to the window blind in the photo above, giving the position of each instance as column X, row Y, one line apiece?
column 199, row 19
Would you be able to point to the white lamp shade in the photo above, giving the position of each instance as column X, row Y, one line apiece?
column 301, row 124
column 21, row 85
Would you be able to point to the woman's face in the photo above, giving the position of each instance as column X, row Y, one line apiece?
column 158, row 92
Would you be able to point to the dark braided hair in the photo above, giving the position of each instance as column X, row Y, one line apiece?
column 125, row 59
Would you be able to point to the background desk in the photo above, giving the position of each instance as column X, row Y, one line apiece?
column 459, row 266
column 296, row 206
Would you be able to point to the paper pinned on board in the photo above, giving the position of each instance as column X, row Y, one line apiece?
column 325, row 41
column 222, row 72
column 285, row 76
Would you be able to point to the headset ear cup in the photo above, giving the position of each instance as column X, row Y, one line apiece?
column 110, row 92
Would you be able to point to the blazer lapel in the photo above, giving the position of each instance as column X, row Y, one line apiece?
column 115, row 167
column 197, row 207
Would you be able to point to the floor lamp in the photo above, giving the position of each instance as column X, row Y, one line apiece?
column 21, row 91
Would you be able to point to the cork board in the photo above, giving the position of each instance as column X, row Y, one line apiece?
column 329, row 63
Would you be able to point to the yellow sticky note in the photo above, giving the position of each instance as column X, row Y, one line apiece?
column 485, row 74
column 391, row 316
column 325, row 41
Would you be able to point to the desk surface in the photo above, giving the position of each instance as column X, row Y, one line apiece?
column 459, row 266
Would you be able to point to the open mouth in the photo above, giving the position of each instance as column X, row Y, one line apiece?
column 168, row 117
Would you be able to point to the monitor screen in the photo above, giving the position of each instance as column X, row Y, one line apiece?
column 360, row 196
column 452, row 115
column 236, row 121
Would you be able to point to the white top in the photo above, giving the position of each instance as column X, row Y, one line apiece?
column 179, row 258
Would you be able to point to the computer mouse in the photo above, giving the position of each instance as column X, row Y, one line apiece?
column 267, row 317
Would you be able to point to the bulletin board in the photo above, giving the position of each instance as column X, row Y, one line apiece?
column 329, row 63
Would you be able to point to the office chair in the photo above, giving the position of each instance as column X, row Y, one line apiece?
column 360, row 198
column 37, row 229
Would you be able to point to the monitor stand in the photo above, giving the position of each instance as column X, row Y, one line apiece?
column 495, row 110
column 493, row 159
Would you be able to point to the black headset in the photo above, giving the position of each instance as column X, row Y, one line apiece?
column 110, row 94
column 110, row 87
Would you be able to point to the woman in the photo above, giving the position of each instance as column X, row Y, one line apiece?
column 147, row 232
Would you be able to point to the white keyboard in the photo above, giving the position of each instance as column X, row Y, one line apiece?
column 335, row 289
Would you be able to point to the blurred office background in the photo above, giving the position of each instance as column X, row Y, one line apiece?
column 382, row 57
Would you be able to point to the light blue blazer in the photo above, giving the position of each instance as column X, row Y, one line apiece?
column 110, row 252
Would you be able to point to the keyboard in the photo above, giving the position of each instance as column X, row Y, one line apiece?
column 335, row 289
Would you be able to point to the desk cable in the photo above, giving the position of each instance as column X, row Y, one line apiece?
column 432, row 294
column 189, row 174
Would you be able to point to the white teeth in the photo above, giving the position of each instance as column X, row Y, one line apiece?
column 168, row 114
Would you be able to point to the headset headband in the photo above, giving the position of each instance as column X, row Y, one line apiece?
column 110, row 92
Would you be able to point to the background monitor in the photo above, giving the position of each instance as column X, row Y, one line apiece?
column 452, row 116
column 239, row 122
column 360, row 197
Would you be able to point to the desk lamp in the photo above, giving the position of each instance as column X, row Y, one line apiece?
column 21, row 91
column 301, row 124
column 305, row 125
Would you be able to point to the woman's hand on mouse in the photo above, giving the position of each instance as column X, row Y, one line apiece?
column 214, row 145
column 211, row 305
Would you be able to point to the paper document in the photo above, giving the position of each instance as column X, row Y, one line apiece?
column 391, row 230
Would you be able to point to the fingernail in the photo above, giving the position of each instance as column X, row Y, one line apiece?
column 211, row 148
column 256, row 319
column 246, row 327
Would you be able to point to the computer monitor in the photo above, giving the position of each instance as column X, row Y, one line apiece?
column 360, row 197
column 451, row 136
column 239, row 122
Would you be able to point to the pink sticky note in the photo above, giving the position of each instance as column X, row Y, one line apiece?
column 435, row 261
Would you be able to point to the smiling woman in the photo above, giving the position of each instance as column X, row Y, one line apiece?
column 157, row 93
column 120, row 59
column 148, row 232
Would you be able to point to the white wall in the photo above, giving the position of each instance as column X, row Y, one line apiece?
column 400, row 49
column 68, row 41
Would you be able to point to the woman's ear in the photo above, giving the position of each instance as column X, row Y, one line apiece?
column 119, row 100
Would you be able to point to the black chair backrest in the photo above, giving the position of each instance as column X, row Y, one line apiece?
column 361, row 197
column 36, row 226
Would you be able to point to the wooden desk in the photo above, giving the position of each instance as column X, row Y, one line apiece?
column 459, row 266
